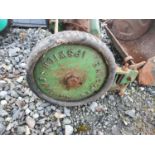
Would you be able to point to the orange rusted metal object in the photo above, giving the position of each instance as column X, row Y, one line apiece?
column 72, row 80
column 147, row 73
column 134, row 40
column 127, row 29
column 76, row 24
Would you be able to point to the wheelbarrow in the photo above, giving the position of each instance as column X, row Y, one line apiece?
column 135, row 41
column 74, row 67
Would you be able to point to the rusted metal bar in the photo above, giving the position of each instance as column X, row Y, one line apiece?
column 134, row 40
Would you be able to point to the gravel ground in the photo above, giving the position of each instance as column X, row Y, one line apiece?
column 22, row 112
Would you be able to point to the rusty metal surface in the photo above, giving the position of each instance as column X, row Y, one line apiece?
column 140, row 49
column 147, row 73
column 136, row 43
column 127, row 29
column 76, row 24
column 71, row 80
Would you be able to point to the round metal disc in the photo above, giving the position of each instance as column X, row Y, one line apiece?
column 70, row 72
column 130, row 29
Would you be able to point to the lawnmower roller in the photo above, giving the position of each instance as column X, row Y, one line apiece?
column 71, row 68
column 74, row 67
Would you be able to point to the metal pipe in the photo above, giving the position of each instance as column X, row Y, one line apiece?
column 95, row 27
column 56, row 26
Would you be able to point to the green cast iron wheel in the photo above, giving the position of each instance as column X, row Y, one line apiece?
column 70, row 68
column 76, row 71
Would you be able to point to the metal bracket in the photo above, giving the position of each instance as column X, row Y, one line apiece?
column 124, row 76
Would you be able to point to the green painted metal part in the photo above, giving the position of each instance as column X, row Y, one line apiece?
column 93, row 24
column 3, row 24
column 129, row 77
column 60, row 26
column 70, row 72
column 123, row 78
column 95, row 27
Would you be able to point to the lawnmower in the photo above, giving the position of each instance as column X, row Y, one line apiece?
column 73, row 66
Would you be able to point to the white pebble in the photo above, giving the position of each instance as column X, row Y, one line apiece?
column 68, row 130
column 30, row 122
column 93, row 106
column 2, row 83
column 59, row 115
column 142, row 88
column 3, row 102
column 35, row 116
column 67, row 111
column 23, row 65
column 14, row 51
column 27, row 111
column 131, row 113
column 20, row 79
column 67, row 121
column 3, row 94
column 27, row 132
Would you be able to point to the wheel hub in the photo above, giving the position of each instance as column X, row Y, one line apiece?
column 72, row 81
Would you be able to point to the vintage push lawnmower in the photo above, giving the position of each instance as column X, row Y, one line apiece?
column 73, row 67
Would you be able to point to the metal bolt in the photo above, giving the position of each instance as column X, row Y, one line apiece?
column 72, row 81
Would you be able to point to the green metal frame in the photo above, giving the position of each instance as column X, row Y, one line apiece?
column 123, row 78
